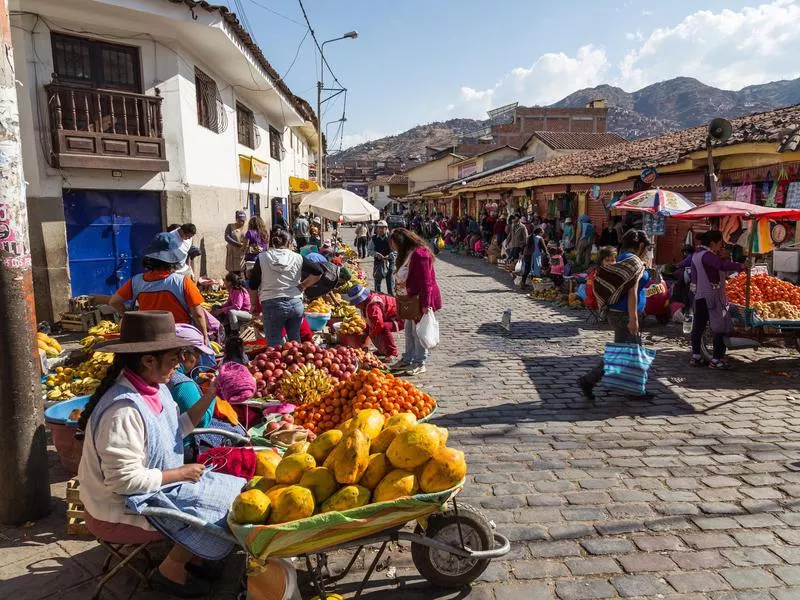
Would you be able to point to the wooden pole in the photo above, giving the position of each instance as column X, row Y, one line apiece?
column 23, row 445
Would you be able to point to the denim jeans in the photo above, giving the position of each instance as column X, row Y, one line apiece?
column 279, row 313
column 415, row 353
column 389, row 278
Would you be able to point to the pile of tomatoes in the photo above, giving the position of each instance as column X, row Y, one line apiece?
column 365, row 389
column 763, row 288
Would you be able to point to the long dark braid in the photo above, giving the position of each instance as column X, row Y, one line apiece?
column 121, row 361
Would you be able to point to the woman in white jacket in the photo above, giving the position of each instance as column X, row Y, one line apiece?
column 277, row 277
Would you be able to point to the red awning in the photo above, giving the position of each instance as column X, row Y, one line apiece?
column 725, row 208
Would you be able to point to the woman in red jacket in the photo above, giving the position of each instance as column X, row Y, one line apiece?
column 415, row 277
column 380, row 312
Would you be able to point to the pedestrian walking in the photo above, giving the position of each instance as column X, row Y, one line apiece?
column 710, row 299
column 620, row 287
column 384, row 258
column 301, row 230
column 277, row 275
column 133, row 455
column 162, row 287
column 256, row 239
column 235, row 243
column 517, row 237
column 415, row 280
column 361, row 239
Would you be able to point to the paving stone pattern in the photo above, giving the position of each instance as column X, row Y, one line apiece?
column 673, row 497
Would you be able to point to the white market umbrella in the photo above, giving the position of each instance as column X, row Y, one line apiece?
column 339, row 204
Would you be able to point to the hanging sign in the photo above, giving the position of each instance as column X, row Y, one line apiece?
column 655, row 224
column 594, row 192
column 649, row 175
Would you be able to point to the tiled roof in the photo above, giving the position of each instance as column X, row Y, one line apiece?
column 571, row 140
column 396, row 179
column 780, row 126
column 300, row 105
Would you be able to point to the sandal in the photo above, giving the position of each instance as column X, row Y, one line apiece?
column 698, row 362
column 720, row 364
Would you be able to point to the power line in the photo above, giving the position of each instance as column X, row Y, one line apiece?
column 316, row 42
column 244, row 19
column 276, row 13
column 296, row 54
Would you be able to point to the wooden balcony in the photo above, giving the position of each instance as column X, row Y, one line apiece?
column 105, row 129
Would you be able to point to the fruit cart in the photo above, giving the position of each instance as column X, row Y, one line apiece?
column 750, row 329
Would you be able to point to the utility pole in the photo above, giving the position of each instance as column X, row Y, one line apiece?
column 23, row 445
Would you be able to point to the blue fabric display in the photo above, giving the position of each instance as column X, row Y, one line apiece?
column 625, row 367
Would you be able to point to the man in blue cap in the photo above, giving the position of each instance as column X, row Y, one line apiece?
column 161, row 287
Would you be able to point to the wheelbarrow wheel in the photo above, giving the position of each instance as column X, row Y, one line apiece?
column 707, row 344
column 442, row 568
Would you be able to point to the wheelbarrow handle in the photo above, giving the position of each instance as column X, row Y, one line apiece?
column 496, row 552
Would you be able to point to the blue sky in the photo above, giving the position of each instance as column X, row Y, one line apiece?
column 417, row 61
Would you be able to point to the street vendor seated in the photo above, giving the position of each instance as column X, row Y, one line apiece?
column 161, row 287
column 186, row 391
column 380, row 312
column 133, row 457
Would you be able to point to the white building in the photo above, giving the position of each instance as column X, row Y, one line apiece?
column 140, row 113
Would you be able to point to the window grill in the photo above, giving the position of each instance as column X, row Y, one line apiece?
column 246, row 127
column 276, row 149
column 210, row 108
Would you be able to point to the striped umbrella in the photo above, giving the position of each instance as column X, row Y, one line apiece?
column 655, row 201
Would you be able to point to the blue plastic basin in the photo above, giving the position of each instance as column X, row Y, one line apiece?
column 59, row 413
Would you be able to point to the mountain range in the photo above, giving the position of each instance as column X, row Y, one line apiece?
column 665, row 106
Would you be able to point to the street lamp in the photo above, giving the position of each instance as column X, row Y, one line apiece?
column 349, row 35
column 327, row 139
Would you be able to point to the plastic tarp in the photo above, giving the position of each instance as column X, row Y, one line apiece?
column 326, row 530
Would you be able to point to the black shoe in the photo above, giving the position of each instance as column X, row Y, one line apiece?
column 645, row 396
column 193, row 588
column 587, row 389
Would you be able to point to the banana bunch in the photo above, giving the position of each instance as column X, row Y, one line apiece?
column 212, row 297
column 89, row 342
column 551, row 294
column 50, row 345
column 318, row 305
column 104, row 327
column 353, row 324
column 307, row 384
column 95, row 367
column 62, row 375
column 344, row 310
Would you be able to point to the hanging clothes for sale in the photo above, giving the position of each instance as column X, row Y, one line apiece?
column 762, row 238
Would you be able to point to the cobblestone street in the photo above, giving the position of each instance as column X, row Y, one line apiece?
column 691, row 495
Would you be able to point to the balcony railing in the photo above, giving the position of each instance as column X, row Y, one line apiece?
column 106, row 129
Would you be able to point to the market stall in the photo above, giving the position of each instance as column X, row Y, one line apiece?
column 763, row 307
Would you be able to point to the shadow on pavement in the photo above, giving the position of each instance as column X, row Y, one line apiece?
column 530, row 330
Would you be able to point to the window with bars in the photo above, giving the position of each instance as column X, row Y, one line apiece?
column 95, row 63
column 275, row 145
column 210, row 111
column 246, row 126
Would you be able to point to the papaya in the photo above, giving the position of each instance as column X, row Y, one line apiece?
column 369, row 421
column 321, row 482
column 260, row 482
column 294, row 502
column 377, row 467
column 406, row 418
column 414, row 447
column 386, row 437
column 275, row 491
column 351, row 461
column 397, row 484
column 250, row 507
column 345, row 426
column 444, row 470
column 297, row 448
column 266, row 461
column 291, row 468
column 321, row 447
column 350, row 496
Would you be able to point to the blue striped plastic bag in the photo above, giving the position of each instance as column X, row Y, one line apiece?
column 625, row 367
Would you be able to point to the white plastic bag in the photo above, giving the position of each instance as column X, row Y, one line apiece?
column 518, row 267
column 428, row 330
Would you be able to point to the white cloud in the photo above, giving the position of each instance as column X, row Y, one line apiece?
column 552, row 76
column 728, row 49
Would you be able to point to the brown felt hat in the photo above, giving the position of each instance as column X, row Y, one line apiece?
column 143, row 332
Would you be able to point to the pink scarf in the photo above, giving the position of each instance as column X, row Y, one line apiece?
column 148, row 392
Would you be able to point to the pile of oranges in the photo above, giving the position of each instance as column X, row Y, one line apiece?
column 763, row 288
column 365, row 389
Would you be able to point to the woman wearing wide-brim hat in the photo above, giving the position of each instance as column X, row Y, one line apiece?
column 133, row 455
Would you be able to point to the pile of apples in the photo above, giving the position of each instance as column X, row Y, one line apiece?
column 269, row 367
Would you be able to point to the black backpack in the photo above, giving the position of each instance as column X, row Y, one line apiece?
column 328, row 282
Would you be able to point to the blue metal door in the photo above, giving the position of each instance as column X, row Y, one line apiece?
column 106, row 232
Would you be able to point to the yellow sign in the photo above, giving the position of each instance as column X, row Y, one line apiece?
column 252, row 167
column 298, row 184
